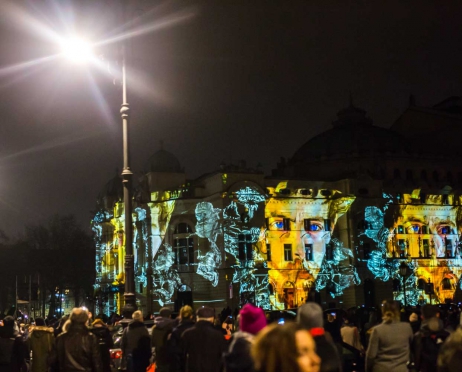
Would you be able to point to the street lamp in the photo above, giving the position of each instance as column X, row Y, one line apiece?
column 403, row 271
column 80, row 51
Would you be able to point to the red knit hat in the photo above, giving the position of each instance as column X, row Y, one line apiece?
column 251, row 319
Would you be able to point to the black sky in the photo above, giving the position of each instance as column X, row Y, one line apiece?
column 249, row 80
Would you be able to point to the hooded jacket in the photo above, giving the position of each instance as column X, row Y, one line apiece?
column 426, row 344
column 41, row 341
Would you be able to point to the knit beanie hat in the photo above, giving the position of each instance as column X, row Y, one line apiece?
column 310, row 316
column 251, row 319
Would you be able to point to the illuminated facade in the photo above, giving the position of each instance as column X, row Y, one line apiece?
column 333, row 223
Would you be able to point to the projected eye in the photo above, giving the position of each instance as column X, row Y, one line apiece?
column 444, row 230
column 279, row 225
column 316, row 227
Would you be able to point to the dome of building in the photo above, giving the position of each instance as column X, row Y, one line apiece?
column 163, row 161
column 112, row 191
column 352, row 133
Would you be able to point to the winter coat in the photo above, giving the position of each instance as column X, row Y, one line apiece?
column 159, row 335
column 105, row 343
column 131, row 336
column 76, row 350
column 238, row 358
column 389, row 347
column 173, row 344
column 426, row 345
column 328, row 352
column 13, row 350
column 136, row 342
column 41, row 341
column 202, row 348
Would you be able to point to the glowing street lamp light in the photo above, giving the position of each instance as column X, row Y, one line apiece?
column 77, row 50
column 80, row 51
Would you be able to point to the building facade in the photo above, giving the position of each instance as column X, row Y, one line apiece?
column 335, row 223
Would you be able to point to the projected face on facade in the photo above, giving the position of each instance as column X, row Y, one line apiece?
column 299, row 239
column 424, row 234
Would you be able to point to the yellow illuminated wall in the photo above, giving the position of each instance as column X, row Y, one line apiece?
column 300, row 223
column 425, row 233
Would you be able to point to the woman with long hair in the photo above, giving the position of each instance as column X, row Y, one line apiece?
column 285, row 348
column 390, row 342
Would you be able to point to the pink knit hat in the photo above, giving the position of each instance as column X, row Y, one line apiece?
column 251, row 319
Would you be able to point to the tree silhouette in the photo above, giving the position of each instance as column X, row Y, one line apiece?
column 63, row 256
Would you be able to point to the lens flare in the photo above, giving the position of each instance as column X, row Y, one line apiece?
column 77, row 50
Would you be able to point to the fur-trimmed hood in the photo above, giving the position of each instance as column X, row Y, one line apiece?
column 39, row 331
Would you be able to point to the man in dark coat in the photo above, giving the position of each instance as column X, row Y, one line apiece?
column 76, row 348
column 427, row 342
column 135, row 339
column 173, row 343
column 202, row 345
column 13, row 350
column 163, row 326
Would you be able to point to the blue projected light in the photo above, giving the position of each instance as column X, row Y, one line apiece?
column 279, row 225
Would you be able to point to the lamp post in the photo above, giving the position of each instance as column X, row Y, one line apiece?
column 403, row 271
column 79, row 51
column 129, row 294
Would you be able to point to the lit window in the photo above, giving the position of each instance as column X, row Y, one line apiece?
column 183, row 249
column 245, row 247
column 183, row 245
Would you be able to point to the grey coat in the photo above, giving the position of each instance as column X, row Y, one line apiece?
column 389, row 347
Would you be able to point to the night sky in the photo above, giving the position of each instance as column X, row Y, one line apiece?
column 216, row 81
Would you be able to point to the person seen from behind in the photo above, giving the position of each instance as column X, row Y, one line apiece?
column 173, row 343
column 251, row 321
column 389, row 345
column 450, row 355
column 202, row 345
column 350, row 334
column 428, row 341
column 76, row 349
column 41, row 341
column 163, row 326
column 310, row 317
column 131, row 340
column 105, row 342
column 285, row 348
column 13, row 350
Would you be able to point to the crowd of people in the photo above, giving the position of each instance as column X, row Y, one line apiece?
column 195, row 341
